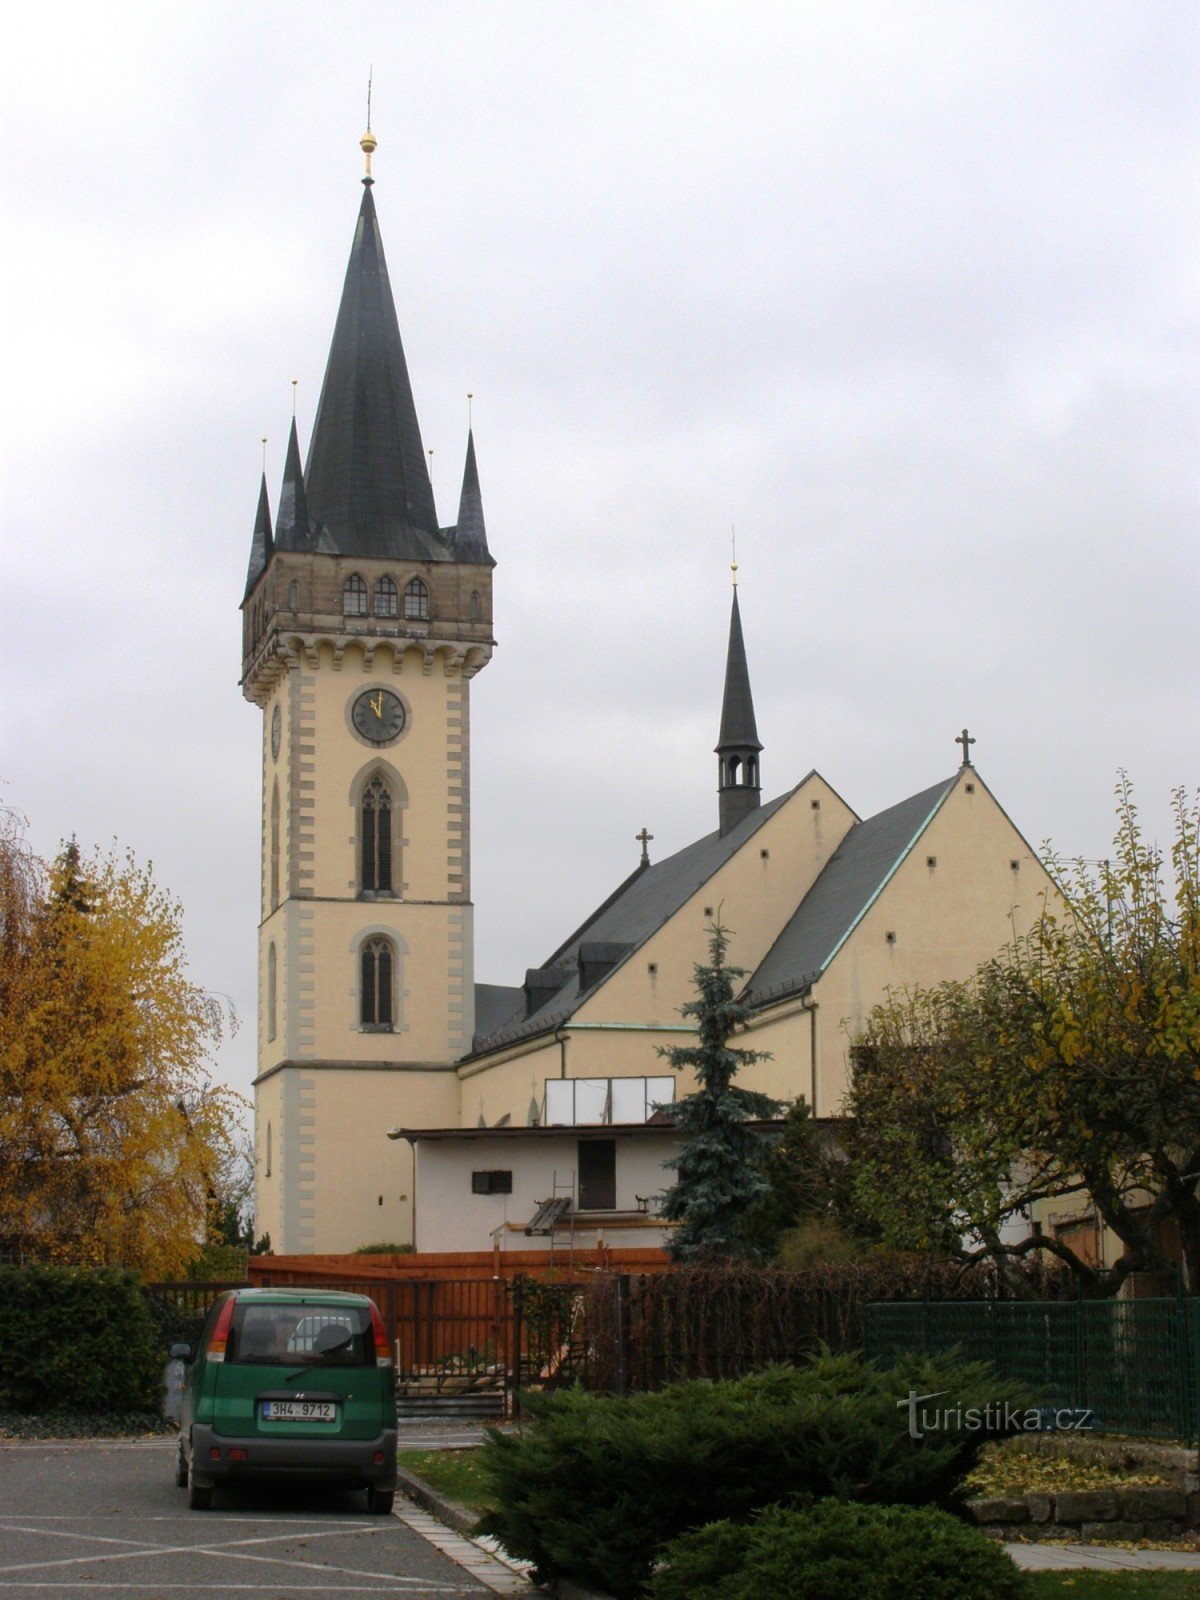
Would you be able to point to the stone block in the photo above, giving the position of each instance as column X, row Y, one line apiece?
column 1193, row 1509
column 1041, row 1507
column 1164, row 1532
column 1086, row 1505
column 999, row 1509
column 1148, row 1502
column 1111, row 1532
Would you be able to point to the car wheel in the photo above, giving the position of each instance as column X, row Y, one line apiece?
column 200, row 1495
column 181, row 1468
column 380, row 1501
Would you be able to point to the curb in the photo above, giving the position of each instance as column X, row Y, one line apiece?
column 454, row 1514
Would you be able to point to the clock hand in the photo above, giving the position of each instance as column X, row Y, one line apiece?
column 377, row 704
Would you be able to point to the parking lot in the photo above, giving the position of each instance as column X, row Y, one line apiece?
column 104, row 1517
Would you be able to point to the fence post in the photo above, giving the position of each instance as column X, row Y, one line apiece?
column 514, row 1355
column 622, row 1297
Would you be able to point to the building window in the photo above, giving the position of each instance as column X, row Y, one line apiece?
column 293, row 596
column 578, row 1101
column 375, row 833
column 474, row 609
column 354, row 596
column 493, row 1182
column 386, row 598
column 375, row 1006
column 275, row 845
column 272, row 992
column 416, row 601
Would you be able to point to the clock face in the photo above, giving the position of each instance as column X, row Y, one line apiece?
column 378, row 716
column 276, row 731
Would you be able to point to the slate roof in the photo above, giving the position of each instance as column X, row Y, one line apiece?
column 261, row 543
column 470, row 533
column 738, row 728
column 496, row 1004
column 368, row 478
column 293, row 529
column 847, row 886
column 647, row 899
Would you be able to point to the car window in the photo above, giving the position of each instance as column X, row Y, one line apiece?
column 299, row 1336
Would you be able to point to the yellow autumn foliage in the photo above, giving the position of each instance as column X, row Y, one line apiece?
column 111, row 1131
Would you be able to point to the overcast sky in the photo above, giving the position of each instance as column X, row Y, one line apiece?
column 906, row 291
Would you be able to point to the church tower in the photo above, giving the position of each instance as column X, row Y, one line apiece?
column 363, row 625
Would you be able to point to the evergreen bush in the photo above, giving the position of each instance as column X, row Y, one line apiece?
column 832, row 1550
column 76, row 1340
column 595, row 1486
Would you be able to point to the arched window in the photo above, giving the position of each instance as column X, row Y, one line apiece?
column 377, row 978
column 272, row 992
column 354, row 596
column 293, row 596
column 386, row 601
column 474, row 609
column 416, row 600
column 275, row 845
column 375, row 834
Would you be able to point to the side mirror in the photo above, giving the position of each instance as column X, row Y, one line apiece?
column 181, row 1352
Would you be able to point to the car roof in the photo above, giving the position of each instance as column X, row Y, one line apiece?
column 299, row 1297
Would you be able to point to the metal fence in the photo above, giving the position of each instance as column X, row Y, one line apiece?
column 1135, row 1364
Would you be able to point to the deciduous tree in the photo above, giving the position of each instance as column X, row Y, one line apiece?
column 110, row 1127
column 1069, row 1065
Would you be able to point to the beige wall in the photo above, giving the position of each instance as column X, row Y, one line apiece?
column 450, row 1217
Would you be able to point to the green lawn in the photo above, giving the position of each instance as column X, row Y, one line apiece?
column 454, row 1473
column 1082, row 1585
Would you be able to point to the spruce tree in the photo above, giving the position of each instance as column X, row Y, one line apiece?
column 719, row 1170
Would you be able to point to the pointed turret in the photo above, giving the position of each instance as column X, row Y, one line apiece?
column 294, row 530
column 738, row 745
column 470, row 534
column 261, row 543
column 368, row 482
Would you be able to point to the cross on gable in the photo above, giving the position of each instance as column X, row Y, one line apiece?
column 966, row 741
column 644, row 839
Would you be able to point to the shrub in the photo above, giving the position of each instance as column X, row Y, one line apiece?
column 74, row 1340
column 596, row 1485
column 834, row 1549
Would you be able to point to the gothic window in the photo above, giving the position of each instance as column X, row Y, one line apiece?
column 354, row 596
column 385, row 598
column 272, row 992
column 293, row 596
column 416, row 600
column 375, row 834
column 275, row 845
column 474, row 610
column 376, row 985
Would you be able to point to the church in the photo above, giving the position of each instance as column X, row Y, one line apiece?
column 529, row 1107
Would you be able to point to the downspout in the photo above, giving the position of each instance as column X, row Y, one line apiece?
column 562, row 1045
column 811, row 1007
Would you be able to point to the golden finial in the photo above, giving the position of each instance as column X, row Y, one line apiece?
column 264, row 445
column 470, row 397
column 430, row 454
column 295, row 381
column 368, row 141
column 733, row 547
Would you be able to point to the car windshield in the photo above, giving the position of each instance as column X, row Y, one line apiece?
column 301, row 1336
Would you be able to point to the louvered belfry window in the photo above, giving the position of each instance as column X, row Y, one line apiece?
column 375, row 994
column 375, row 830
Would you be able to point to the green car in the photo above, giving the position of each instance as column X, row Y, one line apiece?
column 289, row 1384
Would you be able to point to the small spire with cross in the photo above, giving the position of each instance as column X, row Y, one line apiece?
column 966, row 741
column 644, row 839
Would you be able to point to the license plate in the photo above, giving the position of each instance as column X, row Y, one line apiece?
column 299, row 1411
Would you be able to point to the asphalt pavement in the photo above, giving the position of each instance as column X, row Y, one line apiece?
column 104, row 1517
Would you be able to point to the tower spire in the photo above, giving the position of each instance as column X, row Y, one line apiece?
column 470, row 534
column 738, row 743
column 368, row 483
column 294, row 530
column 261, row 543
